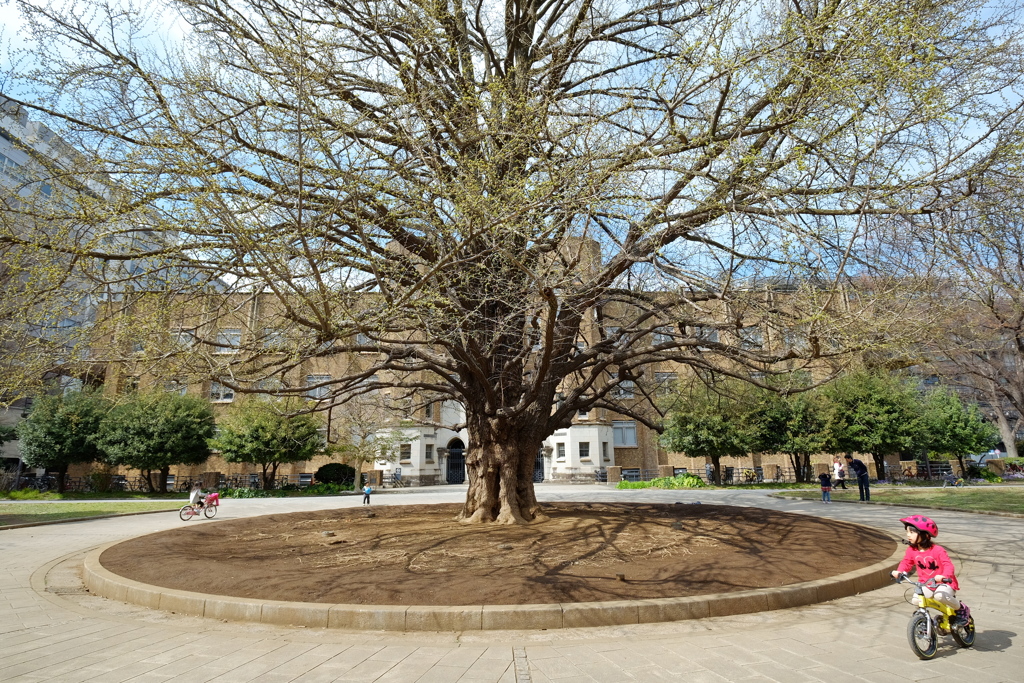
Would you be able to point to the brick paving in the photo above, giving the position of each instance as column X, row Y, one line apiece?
column 50, row 630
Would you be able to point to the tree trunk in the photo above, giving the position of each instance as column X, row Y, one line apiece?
column 62, row 475
column 879, row 464
column 716, row 469
column 164, row 473
column 147, row 475
column 269, row 475
column 1007, row 433
column 500, row 467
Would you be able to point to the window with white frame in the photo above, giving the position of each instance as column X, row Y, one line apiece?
column 405, row 453
column 183, row 338
column 624, row 433
column 220, row 393
column 274, row 338
column 584, row 450
column 663, row 381
column 428, row 411
column 604, row 452
column 705, row 333
column 625, row 389
column 751, row 337
column 228, row 340
column 428, row 452
column 318, row 388
column 560, row 450
column 175, row 387
column 663, row 335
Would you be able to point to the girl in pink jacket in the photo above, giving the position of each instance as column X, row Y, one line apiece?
column 931, row 562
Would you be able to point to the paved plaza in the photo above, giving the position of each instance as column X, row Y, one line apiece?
column 52, row 630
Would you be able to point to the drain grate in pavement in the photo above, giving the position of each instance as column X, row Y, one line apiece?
column 522, row 666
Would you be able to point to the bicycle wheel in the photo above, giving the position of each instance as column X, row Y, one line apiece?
column 210, row 511
column 964, row 635
column 186, row 513
column 923, row 645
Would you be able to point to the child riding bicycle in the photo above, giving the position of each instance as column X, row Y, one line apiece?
column 197, row 497
column 931, row 562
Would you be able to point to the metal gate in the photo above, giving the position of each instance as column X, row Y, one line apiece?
column 538, row 467
column 456, row 464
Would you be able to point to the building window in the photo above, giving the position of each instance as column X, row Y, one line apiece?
column 585, row 450
column 220, row 393
column 604, row 452
column 228, row 340
column 560, row 449
column 582, row 413
column 274, row 338
column 405, row 453
column 663, row 335
column 663, row 381
column 624, row 432
column 705, row 333
column 625, row 389
column 318, row 392
column 751, row 338
column 429, row 452
column 428, row 411
column 183, row 338
column 175, row 387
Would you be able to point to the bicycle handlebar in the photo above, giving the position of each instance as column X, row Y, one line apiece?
column 903, row 577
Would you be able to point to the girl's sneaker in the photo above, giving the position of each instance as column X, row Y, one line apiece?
column 962, row 616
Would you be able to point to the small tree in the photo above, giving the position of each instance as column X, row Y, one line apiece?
column 955, row 429
column 794, row 425
column 58, row 431
column 356, row 437
column 870, row 412
column 152, row 432
column 262, row 432
column 7, row 434
column 711, row 422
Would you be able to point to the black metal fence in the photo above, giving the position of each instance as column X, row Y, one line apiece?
column 138, row 484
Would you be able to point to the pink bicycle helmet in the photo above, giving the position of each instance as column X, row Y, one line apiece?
column 922, row 523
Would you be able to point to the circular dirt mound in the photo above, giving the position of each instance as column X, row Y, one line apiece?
column 418, row 555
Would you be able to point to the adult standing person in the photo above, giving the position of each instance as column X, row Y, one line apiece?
column 838, row 473
column 861, row 471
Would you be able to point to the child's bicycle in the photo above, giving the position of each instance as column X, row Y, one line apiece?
column 187, row 512
column 924, row 629
column 954, row 481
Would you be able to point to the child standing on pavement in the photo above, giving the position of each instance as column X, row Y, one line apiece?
column 367, row 490
column 826, row 487
column 931, row 562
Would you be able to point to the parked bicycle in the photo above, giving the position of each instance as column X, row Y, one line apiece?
column 209, row 509
column 924, row 628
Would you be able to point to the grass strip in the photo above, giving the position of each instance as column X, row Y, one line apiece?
column 25, row 513
column 980, row 499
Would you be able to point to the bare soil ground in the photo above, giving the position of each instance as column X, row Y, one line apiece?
column 418, row 555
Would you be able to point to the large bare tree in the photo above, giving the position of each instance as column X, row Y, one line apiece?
column 520, row 205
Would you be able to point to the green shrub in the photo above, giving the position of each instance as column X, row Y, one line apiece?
column 25, row 494
column 327, row 489
column 682, row 481
column 243, row 492
column 988, row 475
column 335, row 473
column 634, row 485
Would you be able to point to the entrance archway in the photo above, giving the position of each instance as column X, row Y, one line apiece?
column 456, row 462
